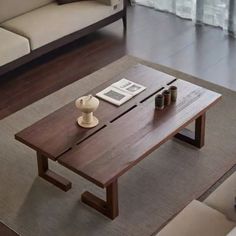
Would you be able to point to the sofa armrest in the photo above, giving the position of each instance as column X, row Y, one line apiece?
column 198, row 219
column 110, row 2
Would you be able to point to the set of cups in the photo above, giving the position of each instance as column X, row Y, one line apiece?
column 165, row 99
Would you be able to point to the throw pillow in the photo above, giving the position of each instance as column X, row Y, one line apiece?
column 60, row 2
column 232, row 232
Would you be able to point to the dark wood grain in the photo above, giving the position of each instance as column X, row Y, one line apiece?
column 5, row 231
column 143, row 130
column 125, row 136
column 109, row 207
column 45, row 173
column 196, row 138
column 48, row 135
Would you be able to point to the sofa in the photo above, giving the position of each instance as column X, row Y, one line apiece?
column 216, row 216
column 31, row 28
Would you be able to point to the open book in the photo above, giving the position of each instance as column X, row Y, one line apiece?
column 120, row 92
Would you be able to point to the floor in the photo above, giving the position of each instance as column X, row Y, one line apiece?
column 5, row 231
column 205, row 52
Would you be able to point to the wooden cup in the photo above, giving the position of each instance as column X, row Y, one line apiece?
column 159, row 101
column 167, row 97
column 173, row 91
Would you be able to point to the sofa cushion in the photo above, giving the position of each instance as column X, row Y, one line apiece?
column 198, row 219
column 223, row 198
column 54, row 21
column 13, row 8
column 12, row 46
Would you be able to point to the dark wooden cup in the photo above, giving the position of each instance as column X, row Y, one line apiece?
column 173, row 91
column 159, row 101
column 167, row 97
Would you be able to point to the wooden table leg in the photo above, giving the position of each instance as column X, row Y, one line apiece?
column 196, row 138
column 51, row 176
column 109, row 207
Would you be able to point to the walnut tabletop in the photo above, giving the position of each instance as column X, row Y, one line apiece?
column 122, row 143
column 58, row 132
column 124, row 136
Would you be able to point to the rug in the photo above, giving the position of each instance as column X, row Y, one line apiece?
column 149, row 194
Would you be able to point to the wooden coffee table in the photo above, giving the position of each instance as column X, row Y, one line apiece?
column 124, row 136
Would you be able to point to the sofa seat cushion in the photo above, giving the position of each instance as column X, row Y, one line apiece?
column 12, row 46
column 223, row 198
column 198, row 219
column 54, row 21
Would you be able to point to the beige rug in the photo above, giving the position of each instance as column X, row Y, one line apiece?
column 149, row 194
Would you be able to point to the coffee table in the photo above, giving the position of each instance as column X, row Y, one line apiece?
column 124, row 136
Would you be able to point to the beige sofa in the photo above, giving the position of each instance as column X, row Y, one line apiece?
column 30, row 28
column 215, row 216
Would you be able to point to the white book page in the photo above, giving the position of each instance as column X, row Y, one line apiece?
column 129, row 86
column 114, row 95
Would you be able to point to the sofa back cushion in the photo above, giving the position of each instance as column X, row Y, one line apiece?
column 13, row 8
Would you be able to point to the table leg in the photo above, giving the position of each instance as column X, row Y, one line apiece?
column 196, row 138
column 109, row 207
column 51, row 176
column 124, row 19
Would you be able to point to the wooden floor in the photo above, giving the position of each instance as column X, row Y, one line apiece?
column 205, row 52
column 5, row 231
